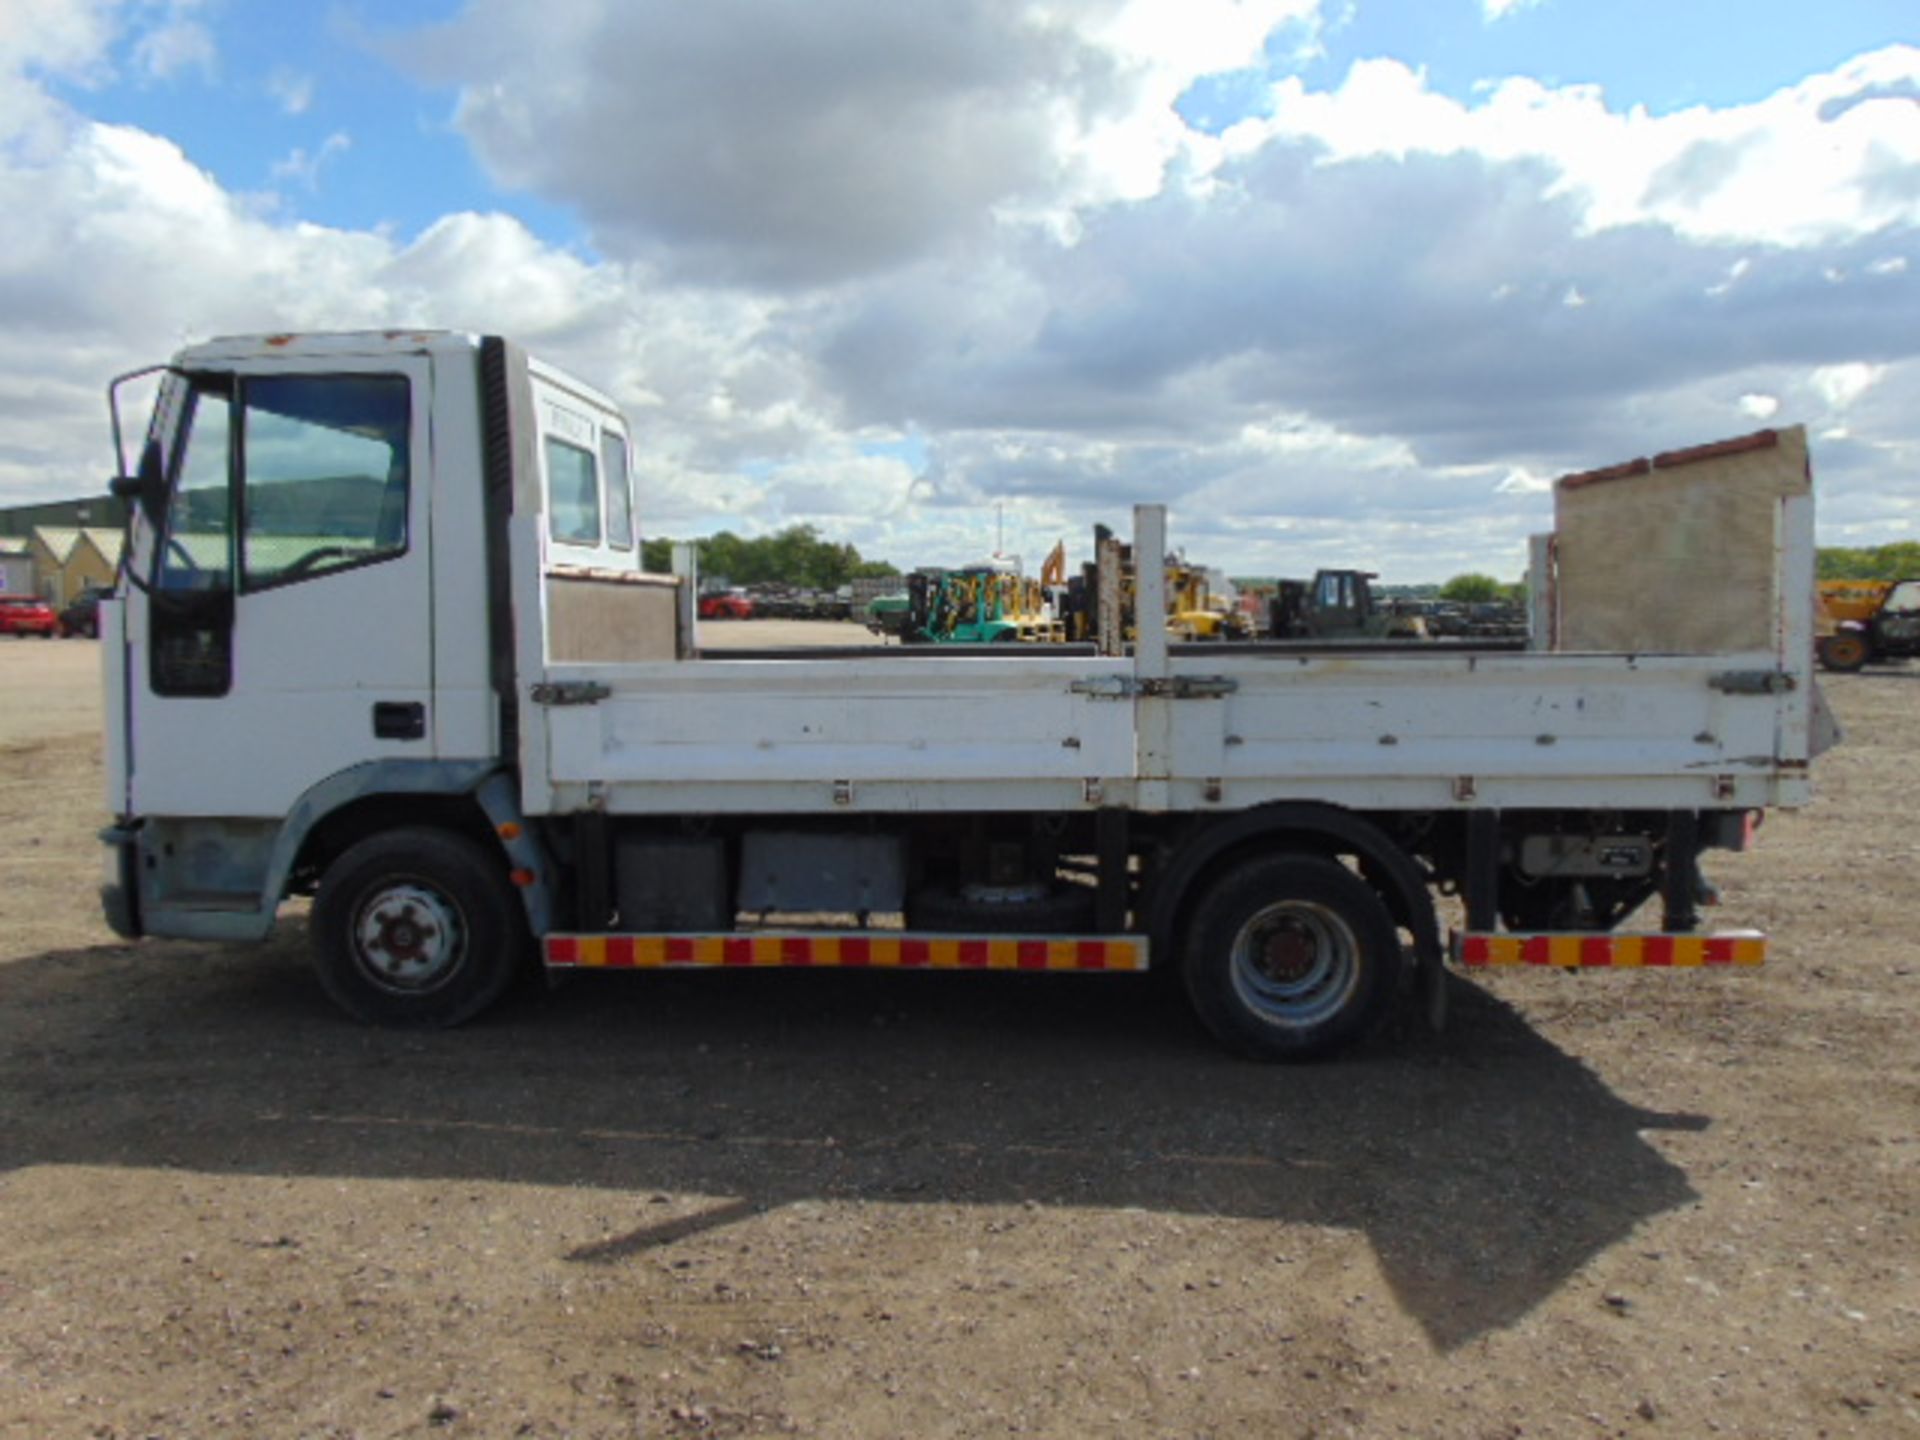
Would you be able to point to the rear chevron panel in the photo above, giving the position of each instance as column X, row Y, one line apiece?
column 846, row 950
column 1605, row 951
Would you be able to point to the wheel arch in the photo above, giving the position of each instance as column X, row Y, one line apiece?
column 339, row 830
column 471, row 798
column 1302, row 826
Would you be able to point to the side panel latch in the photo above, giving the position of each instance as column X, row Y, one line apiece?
column 1105, row 687
column 1752, row 682
column 571, row 692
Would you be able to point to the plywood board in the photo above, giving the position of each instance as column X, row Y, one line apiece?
column 1679, row 553
column 595, row 617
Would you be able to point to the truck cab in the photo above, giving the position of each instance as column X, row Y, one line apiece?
column 308, row 596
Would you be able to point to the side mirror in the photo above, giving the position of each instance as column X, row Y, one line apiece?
column 147, row 488
column 138, row 490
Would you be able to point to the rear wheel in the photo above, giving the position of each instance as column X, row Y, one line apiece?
column 417, row 927
column 1290, row 957
column 1845, row 651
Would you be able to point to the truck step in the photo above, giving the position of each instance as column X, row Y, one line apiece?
column 847, row 950
column 1603, row 950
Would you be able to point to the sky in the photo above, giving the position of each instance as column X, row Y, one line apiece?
column 1341, row 282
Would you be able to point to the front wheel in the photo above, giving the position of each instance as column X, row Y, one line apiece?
column 417, row 927
column 1289, row 957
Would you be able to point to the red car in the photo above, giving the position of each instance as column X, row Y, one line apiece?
column 27, row 615
column 726, row 605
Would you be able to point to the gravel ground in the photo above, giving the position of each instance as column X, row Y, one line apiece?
column 927, row 1205
column 779, row 634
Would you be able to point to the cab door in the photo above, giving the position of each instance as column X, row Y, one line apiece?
column 282, row 632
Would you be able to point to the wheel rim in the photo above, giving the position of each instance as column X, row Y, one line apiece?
column 408, row 938
column 1296, row 963
column 1847, row 650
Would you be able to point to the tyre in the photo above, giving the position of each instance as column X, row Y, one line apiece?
column 1845, row 652
column 1290, row 957
column 417, row 927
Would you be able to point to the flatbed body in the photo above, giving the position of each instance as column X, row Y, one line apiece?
column 1408, row 730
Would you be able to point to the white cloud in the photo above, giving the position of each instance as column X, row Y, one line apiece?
column 790, row 146
column 1829, row 158
column 177, row 43
column 1501, row 9
column 1841, row 385
column 176, row 49
column 304, row 168
column 1366, row 332
column 292, row 90
column 66, row 37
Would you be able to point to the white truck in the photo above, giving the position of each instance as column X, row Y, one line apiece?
column 383, row 638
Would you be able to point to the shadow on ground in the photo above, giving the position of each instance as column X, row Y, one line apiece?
column 1484, row 1166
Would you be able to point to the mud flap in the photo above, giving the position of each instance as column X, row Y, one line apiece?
column 1433, row 991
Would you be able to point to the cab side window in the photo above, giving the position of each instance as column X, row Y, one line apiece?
column 613, row 464
column 193, row 553
column 327, row 474
column 191, row 620
column 573, row 491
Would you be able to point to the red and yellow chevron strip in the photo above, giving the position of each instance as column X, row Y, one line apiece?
column 847, row 950
column 1618, row 952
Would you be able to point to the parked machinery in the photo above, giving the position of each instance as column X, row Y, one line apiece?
column 1868, row 628
column 977, row 606
column 1338, row 605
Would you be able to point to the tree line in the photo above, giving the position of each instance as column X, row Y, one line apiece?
column 1898, row 561
column 796, row 555
column 799, row 555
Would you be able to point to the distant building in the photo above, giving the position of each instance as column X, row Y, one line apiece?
column 66, row 561
column 57, row 548
column 16, row 566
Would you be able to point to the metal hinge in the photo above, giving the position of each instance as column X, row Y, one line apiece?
column 1752, row 682
column 1178, row 687
column 1191, row 687
column 571, row 692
